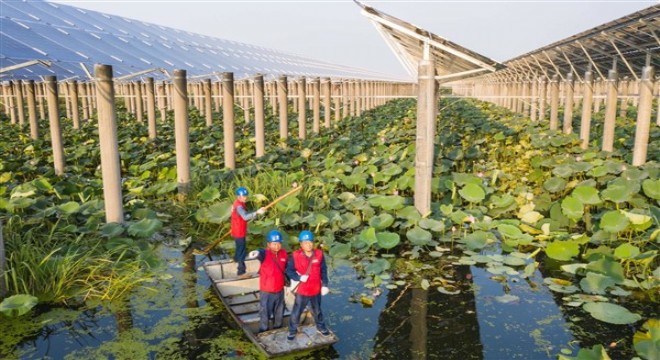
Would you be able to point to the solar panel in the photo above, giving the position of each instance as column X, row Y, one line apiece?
column 69, row 36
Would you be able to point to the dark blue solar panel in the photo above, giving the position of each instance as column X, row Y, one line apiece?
column 69, row 36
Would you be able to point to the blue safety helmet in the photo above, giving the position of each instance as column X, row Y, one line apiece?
column 274, row 236
column 306, row 235
column 241, row 191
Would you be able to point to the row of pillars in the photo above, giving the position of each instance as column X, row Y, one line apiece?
column 533, row 99
column 350, row 99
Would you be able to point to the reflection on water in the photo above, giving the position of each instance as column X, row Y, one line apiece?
column 179, row 316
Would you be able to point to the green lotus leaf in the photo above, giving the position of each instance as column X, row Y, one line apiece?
column 145, row 227
column 599, row 171
column 42, row 184
column 217, row 213
column 595, row 283
column 144, row 213
column 478, row 239
column 626, row 251
column 617, row 193
column 611, row 313
column 387, row 240
column 210, row 193
column 639, row 222
column 563, row 171
column 69, row 208
column 562, row 250
column 287, row 205
column 647, row 338
column 21, row 202
column 554, row 184
column 339, row 250
column 587, row 195
column 317, row 219
column 652, row 188
column 509, row 231
column 111, row 230
column 446, row 209
column 419, row 236
column 391, row 170
column 382, row 221
column 23, row 191
column 572, row 208
column 349, row 221
column 377, row 267
column 368, row 236
column 409, row 213
column 392, row 202
column 472, row 193
column 634, row 174
column 502, row 201
column 431, row 224
column 17, row 305
column 607, row 267
column 514, row 261
column 614, row 221
column 596, row 352
column 346, row 197
column 462, row 179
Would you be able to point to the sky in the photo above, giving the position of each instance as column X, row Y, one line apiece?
column 337, row 32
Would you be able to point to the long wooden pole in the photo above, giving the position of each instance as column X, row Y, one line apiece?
column 225, row 235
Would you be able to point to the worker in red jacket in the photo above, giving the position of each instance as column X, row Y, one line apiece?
column 271, row 280
column 307, row 265
column 239, row 220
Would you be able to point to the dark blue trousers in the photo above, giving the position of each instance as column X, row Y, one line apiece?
column 240, row 255
column 299, row 306
column 271, row 306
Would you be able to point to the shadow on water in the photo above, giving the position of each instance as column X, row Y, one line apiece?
column 179, row 316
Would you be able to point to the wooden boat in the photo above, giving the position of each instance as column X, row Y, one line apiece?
column 241, row 297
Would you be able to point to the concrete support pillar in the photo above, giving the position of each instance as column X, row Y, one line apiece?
column 302, row 109
column 75, row 111
column 41, row 99
column 568, row 104
column 208, row 112
column 533, row 112
column 245, row 86
column 228, row 118
column 542, row 99
column 217, row 95
column 283, row 96
column 610, row 111
column 327, row 94
column 82, row 88
column 554, row 102
column 32, row 110
column 623, row 92
column 139, row 110
column 316, row 105
column 9, row 98
column 598, row 89
column 20, row 107
column 337, row 100
column 427, row 108
column 181, row 131
column 110, row 165
column 643, row 124
column 55, row 128
column 64, row 87
column 587, row 98
column 345, row 100
column 151, row 107
column 162, row 102
column 259, row 117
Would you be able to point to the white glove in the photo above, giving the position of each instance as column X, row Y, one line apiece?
column 253, row 254
column 261, row 211
column 325, row 290
column 303, row 278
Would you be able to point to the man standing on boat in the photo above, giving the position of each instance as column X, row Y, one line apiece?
column 271, row 280
column 307, row 265
column 239, row 220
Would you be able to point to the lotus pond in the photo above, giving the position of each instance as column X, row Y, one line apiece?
column 534, row 247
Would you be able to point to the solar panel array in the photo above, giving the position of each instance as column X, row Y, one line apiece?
column 74, row 39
